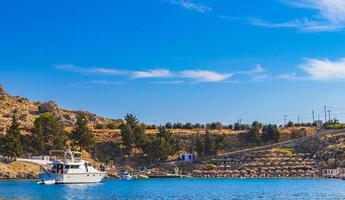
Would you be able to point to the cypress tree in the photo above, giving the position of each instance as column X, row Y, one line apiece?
column 12, row 141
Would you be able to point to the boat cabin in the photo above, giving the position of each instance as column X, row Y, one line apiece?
column 68, row 162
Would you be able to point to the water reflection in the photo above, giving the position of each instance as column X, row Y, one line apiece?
column 79, row 191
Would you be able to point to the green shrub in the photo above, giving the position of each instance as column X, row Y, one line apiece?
column 335, row 126
column 286, row 150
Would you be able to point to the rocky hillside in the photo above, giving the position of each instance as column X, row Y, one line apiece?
column 18, row 170
column 28, row 111
column 329, row 150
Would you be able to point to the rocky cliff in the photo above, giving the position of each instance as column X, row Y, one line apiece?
column 28, row 111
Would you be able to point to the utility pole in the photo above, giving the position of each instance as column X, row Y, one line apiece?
column 325, row 114
column 329, row 115
column 285, row 119
column 298, row 119
column 313, row 116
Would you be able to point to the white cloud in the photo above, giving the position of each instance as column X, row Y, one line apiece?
column 301, row 24
column 174, row 77
column 324, row 69
column 205, row 76
column 330, row 10
column 158, row 73
column 93, row 70
column 107, row 71
column 330, row 16
column 191, row 5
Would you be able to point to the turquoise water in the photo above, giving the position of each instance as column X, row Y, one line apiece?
column 237, row 189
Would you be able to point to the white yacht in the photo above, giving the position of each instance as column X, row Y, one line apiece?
column 69, row 168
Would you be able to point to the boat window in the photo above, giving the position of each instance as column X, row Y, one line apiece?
column 74, row 166
column 67, row 166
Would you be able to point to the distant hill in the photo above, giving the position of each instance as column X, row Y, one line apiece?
column 28, row 111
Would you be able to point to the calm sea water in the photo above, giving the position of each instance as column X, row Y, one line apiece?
column 183, row 189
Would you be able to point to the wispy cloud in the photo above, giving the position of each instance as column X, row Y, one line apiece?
column 192, row 5
column 107, row 71
column 318, row 70
column 92, row 70
column 257, row 70
column 166, row 76
column 205, row 76
column 173, row 82
column 324, row 69
column 301, row 24
column 106, row 82
column 330, row 16
column 289, row 76
column 158, row 73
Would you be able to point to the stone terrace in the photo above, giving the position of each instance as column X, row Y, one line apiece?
column 261, row 164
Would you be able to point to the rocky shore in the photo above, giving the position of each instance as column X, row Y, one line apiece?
column 18, row 170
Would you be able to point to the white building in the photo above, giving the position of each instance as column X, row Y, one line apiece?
column 187, row 156
column 333, row 173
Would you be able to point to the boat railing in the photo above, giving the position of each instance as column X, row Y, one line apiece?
column 65, row 156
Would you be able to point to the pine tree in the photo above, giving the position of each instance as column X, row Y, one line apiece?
column 208, row 144
column 270, row 133
column 220, row 144
column 132, row 133
column 48, row 133
column 254, row 135
column 12, row 141
column 82, row 135
column 161, row 145
column 199, row 146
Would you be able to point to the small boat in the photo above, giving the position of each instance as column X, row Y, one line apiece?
column 141, row 176
column 126, row 176
column 47, row 182
column 69, row 168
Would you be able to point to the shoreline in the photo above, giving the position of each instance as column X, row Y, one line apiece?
column 232, row 178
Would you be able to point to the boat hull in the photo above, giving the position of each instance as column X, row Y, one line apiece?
column 74, row 178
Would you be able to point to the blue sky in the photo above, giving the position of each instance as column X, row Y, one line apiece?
column 178, row 60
